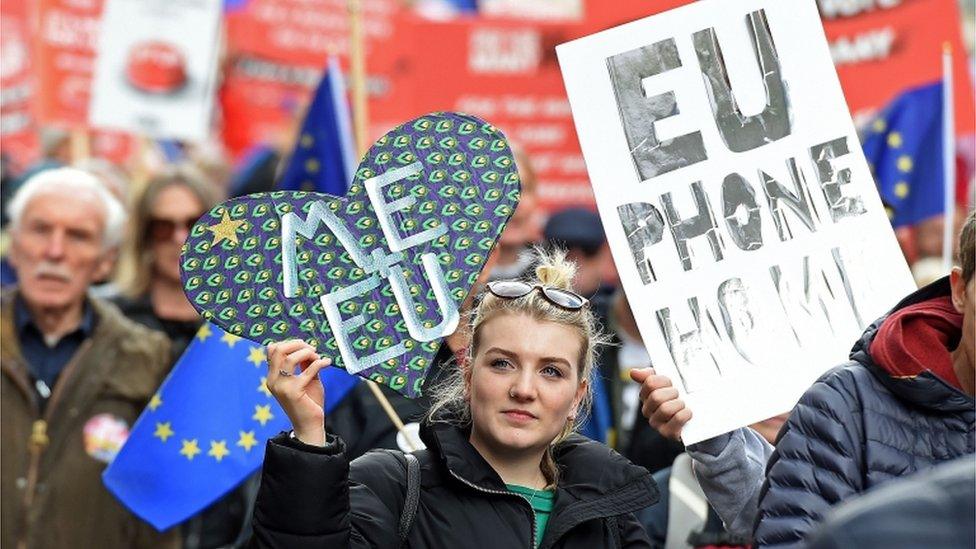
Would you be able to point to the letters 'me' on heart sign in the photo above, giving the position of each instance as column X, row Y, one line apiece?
column 374, row 279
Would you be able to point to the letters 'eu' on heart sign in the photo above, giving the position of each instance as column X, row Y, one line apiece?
column 373, row 279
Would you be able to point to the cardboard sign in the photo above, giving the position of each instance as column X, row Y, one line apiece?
column 374, row 279
column 739, row 208
column 156, row 67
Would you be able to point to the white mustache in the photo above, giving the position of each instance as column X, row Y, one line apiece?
column 48, row 269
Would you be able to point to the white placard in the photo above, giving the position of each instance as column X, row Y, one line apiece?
column 742, row 216
column 181, row 35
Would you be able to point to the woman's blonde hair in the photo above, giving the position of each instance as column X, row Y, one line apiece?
column 135, row 263
column 552, row 269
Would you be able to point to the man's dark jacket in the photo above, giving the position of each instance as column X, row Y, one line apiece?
column 52, row 488
column 312, row 497
column 855, row 428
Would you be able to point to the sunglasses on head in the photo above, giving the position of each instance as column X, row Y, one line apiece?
column 514, row 289
column 160, row 229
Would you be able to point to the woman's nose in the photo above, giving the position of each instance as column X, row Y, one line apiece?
column 524, row 386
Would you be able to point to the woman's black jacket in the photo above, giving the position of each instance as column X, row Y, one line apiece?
column 313, row 497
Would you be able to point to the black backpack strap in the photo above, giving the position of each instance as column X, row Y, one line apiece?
column 412, row 498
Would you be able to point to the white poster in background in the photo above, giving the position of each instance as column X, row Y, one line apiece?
column 155, row 71
column 740, row 211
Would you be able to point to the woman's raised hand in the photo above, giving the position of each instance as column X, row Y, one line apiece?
column 302, row 396
column 665, row 412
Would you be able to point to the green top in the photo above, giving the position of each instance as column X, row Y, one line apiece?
column 541, row 502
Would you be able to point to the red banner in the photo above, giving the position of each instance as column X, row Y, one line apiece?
column 880, row 47
column 502, row 71
column 277, row 51
column 505, row 71
column 18, row 130
column 64, row 52
column 880, row 52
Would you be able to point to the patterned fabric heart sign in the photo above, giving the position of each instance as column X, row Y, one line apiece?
column 373, row 279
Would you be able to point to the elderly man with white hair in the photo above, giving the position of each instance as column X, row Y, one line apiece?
column 75, row 373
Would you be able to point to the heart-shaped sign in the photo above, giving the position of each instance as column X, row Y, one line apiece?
column 373, row 279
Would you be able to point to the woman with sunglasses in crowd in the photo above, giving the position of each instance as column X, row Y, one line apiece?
column 149, row 269
column 503, row 466
column 152, row 294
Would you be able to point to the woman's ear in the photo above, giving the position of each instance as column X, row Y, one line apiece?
column 584, row 386
column 466, row 376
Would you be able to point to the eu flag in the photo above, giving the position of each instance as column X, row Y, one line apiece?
column 204, row 431
column 904, row 148
column 324, row 159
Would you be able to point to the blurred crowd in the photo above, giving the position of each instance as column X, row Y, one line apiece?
column 94, row 316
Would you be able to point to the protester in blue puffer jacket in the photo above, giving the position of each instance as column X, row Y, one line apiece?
column 903, row 404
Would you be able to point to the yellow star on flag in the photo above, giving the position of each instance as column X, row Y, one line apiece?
column 307, row 140
column 879, row 125
column 263, row 387
column 163, row 431
column 905, row 163
column 901, row 189
column 256, row 356
column 894, row 140
column 204, row 332
column 247, row 440
column 190, row 449
column 262, row 414
column 155, row 402
column 230, row 339
column 225, row 230
column 218, row 449
column 312, row 165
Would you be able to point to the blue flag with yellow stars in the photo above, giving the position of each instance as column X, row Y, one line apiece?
column 324, row 158
column 904, row 148
column 204, row 431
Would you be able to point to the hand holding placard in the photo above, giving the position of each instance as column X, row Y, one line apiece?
column 373, row 279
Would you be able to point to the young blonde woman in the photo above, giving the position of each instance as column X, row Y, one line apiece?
column 502, row 468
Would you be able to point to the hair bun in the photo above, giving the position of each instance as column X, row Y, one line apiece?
column 553, row 269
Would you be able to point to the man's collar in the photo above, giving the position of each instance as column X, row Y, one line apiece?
column 23, row 317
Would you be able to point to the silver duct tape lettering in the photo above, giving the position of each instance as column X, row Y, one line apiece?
column 386, row 210
column 341, row 329
column 743, row 133
column 702, row 224
column 450, row 317
column 644, row 226
column 797, row 200
column 639, row 113
column 831, row 183
column 741, row 211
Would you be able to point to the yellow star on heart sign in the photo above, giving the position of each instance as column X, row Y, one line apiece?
column 225, row 230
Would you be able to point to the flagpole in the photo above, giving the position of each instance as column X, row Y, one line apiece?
column 948, row 159
column 79, row 145
column 357, row 61
column 357, row 82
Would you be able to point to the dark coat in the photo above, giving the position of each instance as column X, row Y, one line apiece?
column 312, row 497
column 855, row 428
column 52, row 488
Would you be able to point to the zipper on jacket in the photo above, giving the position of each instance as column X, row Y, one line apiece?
column 500, row 493
column 36, row 444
